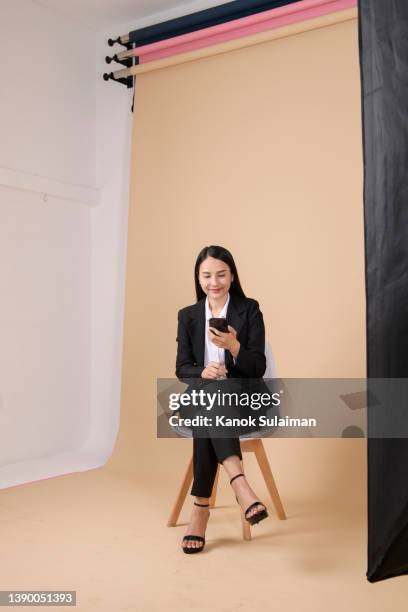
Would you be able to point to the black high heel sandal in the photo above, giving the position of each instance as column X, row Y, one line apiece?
column 259, row 516
column 189, row 550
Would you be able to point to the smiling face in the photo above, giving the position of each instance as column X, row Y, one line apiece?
column 215, row 278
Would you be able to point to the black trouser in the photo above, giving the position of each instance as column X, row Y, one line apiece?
column 207, row 453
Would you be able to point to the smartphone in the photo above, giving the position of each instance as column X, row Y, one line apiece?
column 219, row 323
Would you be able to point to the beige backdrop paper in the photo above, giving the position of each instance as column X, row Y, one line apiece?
column 258, row 150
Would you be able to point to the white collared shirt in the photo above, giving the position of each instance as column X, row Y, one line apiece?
column 212, row 352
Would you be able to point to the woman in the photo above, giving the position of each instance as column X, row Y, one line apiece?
column 208, row 354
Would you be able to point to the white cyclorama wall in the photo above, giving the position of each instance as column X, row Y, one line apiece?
column 48, row 142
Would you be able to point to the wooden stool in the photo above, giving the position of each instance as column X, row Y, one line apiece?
column 254, row 445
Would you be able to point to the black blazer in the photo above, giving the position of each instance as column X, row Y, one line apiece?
column 244, row 316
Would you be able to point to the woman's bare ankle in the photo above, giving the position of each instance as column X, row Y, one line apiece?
column 232, row 466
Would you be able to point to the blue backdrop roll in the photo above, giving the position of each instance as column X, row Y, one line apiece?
column 203, row 19
column 383, row 44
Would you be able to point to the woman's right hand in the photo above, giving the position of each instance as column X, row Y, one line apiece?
column 214, row 370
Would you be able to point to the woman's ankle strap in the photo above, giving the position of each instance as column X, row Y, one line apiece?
column 202, row 505
column 237, row 476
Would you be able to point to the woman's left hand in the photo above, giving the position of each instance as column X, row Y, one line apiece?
column 226, row 340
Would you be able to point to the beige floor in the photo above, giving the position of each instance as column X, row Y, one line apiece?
column 103, row 534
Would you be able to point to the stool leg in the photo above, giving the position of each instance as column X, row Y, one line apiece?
column 215, row 488
column 185, row 485
column 265, row 468
column 246, row 528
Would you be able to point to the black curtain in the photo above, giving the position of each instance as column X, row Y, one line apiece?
column 203, row 19
column 383, row 46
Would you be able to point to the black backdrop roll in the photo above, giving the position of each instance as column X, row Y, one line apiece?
column 206, row 18
column 383, row 44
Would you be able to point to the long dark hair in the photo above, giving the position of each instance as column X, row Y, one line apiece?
column 218, row 252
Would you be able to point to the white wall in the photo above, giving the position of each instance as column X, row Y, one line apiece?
column 45, row 349
column 47, row 118
column 48, row 145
